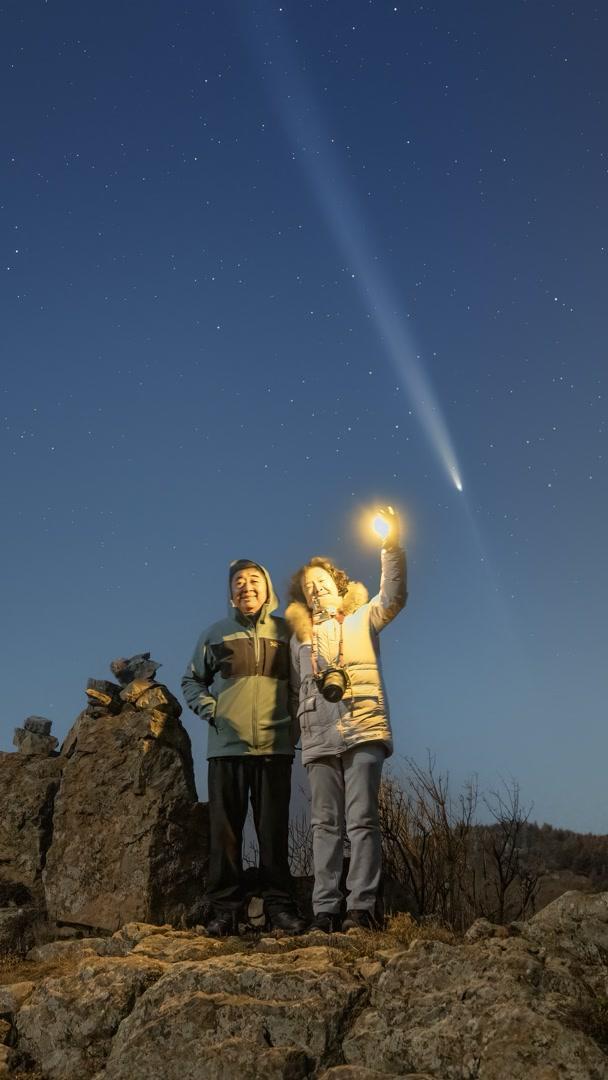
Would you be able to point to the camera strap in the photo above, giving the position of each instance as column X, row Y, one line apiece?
column 314, row 649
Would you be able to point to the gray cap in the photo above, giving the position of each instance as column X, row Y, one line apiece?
column 243, row 564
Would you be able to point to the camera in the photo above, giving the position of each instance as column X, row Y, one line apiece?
column 332, row 683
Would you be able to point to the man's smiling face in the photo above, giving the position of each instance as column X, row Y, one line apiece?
column 249, row 590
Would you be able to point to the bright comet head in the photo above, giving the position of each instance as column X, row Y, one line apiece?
column 456, row 478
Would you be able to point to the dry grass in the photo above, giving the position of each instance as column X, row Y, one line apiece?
column 400, row 932
column 14, row 969
column 404, row 929
column 9, row 961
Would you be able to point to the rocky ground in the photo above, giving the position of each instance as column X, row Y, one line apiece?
column 530, row 1001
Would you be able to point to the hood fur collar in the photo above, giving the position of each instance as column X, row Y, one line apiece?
column 298, row 615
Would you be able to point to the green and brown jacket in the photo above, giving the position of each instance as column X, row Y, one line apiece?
column 237, row 680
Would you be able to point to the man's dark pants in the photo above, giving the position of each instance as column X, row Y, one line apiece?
column 232, row 782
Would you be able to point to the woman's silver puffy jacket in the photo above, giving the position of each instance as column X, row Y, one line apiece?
column 362, row 715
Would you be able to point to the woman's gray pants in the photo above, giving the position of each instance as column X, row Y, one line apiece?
column 345, row 790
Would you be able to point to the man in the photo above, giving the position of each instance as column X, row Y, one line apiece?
column 238, row 682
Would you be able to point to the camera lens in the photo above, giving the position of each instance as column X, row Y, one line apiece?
column 333, row 685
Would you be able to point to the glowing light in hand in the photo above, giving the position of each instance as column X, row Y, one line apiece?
column 380, row 526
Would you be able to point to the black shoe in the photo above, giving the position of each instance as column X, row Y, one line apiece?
column 327, row 921
column 358, row 919
column 287, row 921
column 223, row 924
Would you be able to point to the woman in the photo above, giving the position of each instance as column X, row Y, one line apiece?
column 345, row 728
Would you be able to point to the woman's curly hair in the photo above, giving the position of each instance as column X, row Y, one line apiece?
column 340, row 577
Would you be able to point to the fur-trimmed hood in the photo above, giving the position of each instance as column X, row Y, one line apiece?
column 299, row 618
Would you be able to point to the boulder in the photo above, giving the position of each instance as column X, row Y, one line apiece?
column 30, row 742
column 174, row 946
column 232, row 1059
column 67, row 1024
column 38, row 724
column 103, row 695
column 576, row 923
column 61, row 950
column 130, row 838
column 483, row 929
column 28, row 787
column 13, row 996
column 231, row 1009
column 493, row 1009
column 128, row 668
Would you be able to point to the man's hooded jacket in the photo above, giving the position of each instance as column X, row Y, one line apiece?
column 237, row 680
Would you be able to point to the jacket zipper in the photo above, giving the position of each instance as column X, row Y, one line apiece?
column 254, row 716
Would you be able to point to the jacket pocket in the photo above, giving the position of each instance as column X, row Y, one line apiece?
column 307, row 704
column 306, row 715
column 274, row 659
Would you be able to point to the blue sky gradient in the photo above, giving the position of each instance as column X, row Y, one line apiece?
column 258, row 259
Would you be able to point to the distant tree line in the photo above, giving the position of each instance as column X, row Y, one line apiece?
column 562, row 849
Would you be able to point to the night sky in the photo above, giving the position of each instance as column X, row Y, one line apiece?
column 265, row 266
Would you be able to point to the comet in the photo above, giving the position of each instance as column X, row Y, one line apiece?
column 317, row 155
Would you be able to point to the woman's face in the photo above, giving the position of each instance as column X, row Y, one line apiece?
column 318, row 582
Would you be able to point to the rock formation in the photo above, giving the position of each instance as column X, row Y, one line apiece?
column 29, row 781
column 525, row 1002
column 109, row 830
column 35, row 737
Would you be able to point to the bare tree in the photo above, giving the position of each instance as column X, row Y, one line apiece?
column 451, row 867
column 510, row 878
column 426, row 840
column 300, row 845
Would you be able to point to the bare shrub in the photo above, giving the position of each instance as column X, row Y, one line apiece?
column 300, row 845
column 509, row 874
column 426, row 839
column 452, row 869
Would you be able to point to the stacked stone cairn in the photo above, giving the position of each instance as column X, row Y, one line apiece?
column 109, row 829
column 35, row 737
column 139, row 689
